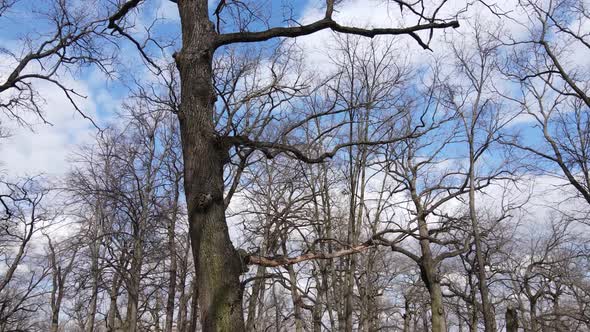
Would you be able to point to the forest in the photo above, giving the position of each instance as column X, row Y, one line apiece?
column 294, row 165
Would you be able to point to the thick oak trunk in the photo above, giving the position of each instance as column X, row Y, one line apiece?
column 218, row 265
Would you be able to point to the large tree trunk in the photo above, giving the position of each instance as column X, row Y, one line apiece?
column 317, row 317
column 218, row 265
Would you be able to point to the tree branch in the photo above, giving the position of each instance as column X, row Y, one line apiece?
column 285, row 261
column 329, row 23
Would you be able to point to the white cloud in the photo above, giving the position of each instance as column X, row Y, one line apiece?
column 374, row 13
column 168, row 10
column 45, row 149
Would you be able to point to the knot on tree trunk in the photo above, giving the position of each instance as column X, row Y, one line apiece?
column 202, row 201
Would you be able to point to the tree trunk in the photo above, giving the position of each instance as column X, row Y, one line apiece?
column 173, row 264
column 533, row 313
column 430, row 277
column 218, row 265
column 171, row 291
column 182, row 307
column 407, row 315
column 194, row 315
column 56, row 297
column 134, row 284
column 94, row 247
column 295, row 297
column 184, row 297
column 253, row 303
column 317, row 317
column 59, row 281
column 511, row 320
column 439, row 323
column 489, row 316
column 114, row 295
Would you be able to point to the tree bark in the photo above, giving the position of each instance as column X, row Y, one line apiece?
column 194, row 314
column 134, row 284
column 173, row 264
column 93, row 298
column 511, row 320
column 489, row 315
column 114, row 295
column 59, row 275
column 295, row 297
column 94, row 252
column 218, row 265
column 488, row 311
column 253, row 302
column 407, row 315
column 184, row 297
column 431, row 279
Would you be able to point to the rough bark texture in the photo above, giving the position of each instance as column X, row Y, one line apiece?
column 218, row 265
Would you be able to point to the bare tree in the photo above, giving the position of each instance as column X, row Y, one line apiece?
column 243, row 190
column 24, row 216
column 130, row 182
column 483, row 118
column 556, row 27
column 205, row 151
column 59, row 275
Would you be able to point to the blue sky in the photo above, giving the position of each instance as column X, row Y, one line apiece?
column 46, row 148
